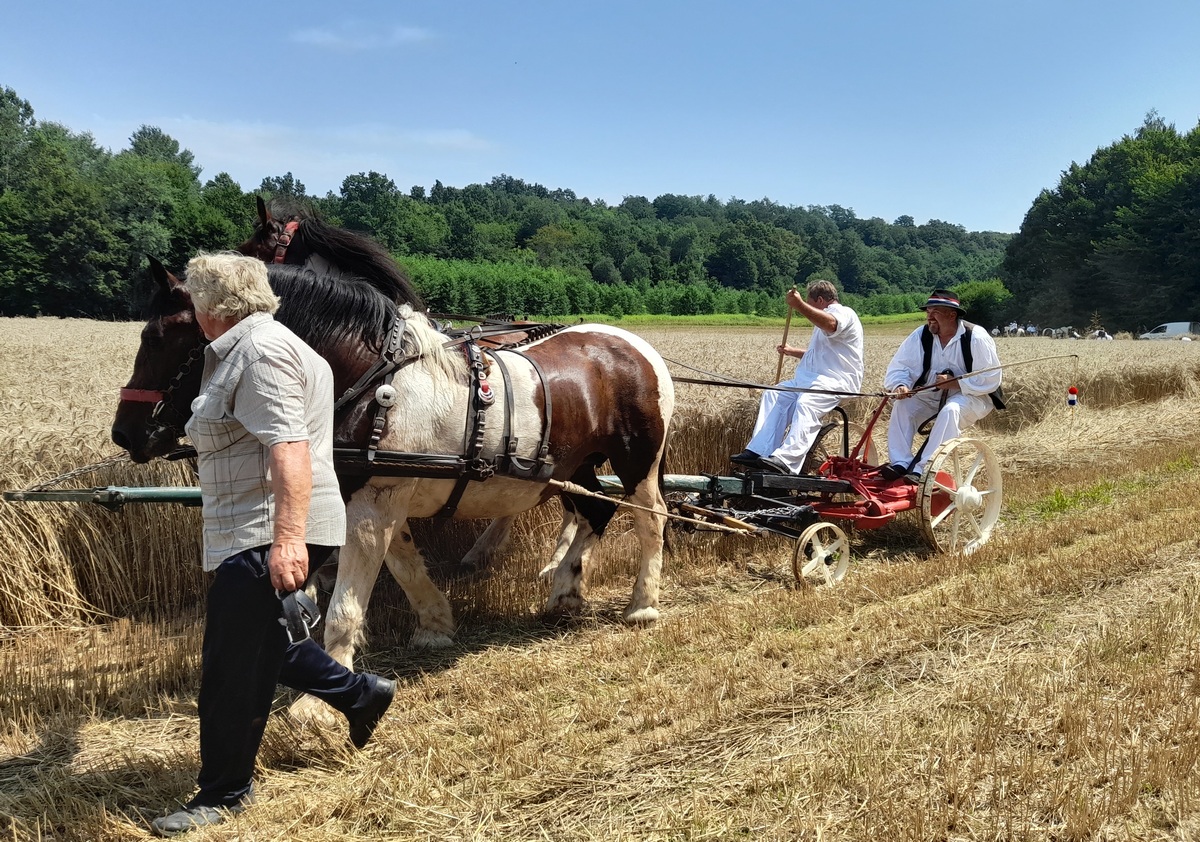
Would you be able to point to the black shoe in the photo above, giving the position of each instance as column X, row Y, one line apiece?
column 192, row 816
column 380, row 692
column 893, row 471
column 774, row 465
column 746, row 457
column 912, row 478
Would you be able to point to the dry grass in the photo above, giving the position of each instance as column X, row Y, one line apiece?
column 1043, row 688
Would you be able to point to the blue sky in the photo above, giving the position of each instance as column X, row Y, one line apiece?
column 959, row 110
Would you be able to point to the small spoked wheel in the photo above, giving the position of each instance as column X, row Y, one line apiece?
column 822, row 555
column 961, row 494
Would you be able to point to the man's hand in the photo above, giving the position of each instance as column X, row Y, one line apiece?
column 789, row 351
column 288, row 563
column 901, row 392
column 947, row 383
column 793, row 298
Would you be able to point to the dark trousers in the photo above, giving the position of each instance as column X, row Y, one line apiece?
column 245, row 655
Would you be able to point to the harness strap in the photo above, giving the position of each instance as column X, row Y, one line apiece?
column 385, row 366
column 508, row 444
column 481, row 398
column 543, row 451
column 968, row 363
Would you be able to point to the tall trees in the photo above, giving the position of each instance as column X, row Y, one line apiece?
column 1119, row 235
column 77, row 222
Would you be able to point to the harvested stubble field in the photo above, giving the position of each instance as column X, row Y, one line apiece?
column 1043, row 688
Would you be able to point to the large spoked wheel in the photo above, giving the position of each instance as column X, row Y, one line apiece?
column 961, row 494
column 822, row 555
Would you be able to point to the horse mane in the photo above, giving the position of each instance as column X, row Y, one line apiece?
column 429, row 343
column 349, row 251
column 327, row 310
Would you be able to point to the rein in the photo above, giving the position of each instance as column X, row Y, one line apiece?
column 746, row 384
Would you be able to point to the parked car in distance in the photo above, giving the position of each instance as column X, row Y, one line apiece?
column 1172, row 330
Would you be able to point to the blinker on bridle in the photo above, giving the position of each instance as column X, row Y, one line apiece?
column 162, row 398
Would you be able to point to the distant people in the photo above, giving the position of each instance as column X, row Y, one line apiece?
column 1031, row 330
column 944, row 352
column 788, row 422
column 1100, row 333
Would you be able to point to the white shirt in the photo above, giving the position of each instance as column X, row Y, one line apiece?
column 834, row 360
column 905, row 366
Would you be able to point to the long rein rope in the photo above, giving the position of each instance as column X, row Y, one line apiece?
column 747, row 384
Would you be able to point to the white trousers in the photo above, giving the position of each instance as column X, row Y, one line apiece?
column 960, row 413
column 788, row 423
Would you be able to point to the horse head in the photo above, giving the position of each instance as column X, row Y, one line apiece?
column 157, row 401
column 295, row 235
column 271, row 237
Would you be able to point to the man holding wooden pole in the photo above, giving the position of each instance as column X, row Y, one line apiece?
column 788, row 421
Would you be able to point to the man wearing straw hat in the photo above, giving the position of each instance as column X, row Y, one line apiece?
column 788, row 421
column 929, row 377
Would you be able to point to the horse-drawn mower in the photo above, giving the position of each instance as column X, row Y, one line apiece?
column 958, row 499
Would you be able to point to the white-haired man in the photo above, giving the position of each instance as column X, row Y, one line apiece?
column 273, row 513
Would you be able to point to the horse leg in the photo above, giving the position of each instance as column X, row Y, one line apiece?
column 589, row 518
column 368, row 534
column 566, row 534
column 649, row 527
column 489, row 545
column 435, row 619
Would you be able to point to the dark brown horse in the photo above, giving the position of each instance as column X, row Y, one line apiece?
column 611, row 398
column 287, row 232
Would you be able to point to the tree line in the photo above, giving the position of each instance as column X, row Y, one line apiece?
column 1117, row 241
column 77, row 222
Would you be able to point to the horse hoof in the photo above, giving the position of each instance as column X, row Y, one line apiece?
column 309, row 710
column 641, row 616
column 429, row 639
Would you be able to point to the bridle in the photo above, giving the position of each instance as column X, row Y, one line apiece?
column 283, row 240
column 162, row 399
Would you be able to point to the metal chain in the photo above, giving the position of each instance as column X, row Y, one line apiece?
column 86, row 469
column 183, row 372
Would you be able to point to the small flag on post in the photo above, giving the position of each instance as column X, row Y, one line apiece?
column 1072, row 397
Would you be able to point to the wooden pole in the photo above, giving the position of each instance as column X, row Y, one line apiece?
column 786, row 327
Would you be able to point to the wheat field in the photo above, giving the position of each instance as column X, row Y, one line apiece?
column 1043, row 688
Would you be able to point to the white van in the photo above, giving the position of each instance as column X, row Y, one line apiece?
column 1172, row 330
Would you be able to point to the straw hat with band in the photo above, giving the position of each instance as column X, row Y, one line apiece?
column 943, row 298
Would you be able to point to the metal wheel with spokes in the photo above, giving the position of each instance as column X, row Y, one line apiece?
column 961, row 494
column 821, row 555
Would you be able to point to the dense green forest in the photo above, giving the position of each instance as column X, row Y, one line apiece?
column 77, row 222
column 1118, row 240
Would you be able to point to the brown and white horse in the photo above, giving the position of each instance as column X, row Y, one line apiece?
column 611, row 396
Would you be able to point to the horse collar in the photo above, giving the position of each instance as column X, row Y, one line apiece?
column 284, row 240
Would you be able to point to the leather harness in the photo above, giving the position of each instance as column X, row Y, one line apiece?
column 465, row 468
column 470, row 465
